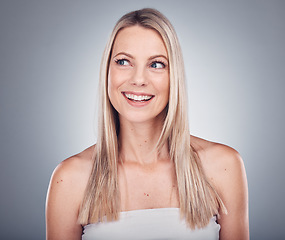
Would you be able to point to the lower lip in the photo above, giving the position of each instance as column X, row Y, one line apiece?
column 137, row 103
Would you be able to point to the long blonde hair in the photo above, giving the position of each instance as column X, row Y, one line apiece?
column 197, row 198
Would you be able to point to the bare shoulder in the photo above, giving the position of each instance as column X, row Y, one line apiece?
column 76, row 166
column 70, row 177
column 65, row 194
column 224, row 169
column 218, row 160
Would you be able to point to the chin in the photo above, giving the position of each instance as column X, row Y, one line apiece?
column 143, row 117
column 138, row 119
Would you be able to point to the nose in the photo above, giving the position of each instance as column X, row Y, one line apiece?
column 139, row 77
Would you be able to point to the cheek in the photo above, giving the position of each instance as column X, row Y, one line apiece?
column 112, row 81
column 166, row 88
column 163, row 84
column 115, row 81
column 115, row 78
column 111, row 86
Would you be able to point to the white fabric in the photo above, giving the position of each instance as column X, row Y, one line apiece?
column 146, row 224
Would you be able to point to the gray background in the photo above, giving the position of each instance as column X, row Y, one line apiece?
column 50, row 54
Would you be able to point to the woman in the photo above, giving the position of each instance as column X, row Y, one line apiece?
column 147, row 177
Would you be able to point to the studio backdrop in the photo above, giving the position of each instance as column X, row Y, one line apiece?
column 50, row 53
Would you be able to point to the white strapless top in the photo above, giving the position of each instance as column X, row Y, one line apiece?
column 150, row 224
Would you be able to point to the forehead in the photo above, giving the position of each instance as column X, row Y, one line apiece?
column 139, row 40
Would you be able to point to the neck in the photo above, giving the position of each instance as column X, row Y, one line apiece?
column 138, row 142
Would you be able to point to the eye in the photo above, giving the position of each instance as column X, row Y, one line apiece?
column 122, row 62
column 157, row 65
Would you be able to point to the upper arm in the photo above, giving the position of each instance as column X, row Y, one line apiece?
column 231, row 184
column 63, row 201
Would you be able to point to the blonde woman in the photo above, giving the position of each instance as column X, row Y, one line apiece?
column 147, row 177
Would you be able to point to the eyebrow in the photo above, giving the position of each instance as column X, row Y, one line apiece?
column 124, row 53
column 156, row 56
column 131, row 56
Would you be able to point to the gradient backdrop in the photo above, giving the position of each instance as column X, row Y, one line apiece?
column 50, row 54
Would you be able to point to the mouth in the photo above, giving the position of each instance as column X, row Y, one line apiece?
column 138, row 97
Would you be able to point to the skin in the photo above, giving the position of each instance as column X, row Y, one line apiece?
column 146, row 177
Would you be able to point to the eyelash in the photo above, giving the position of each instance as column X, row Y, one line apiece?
column 160, row 62
column 122, row 59
column 117, row 61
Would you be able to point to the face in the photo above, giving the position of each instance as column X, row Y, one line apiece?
column 138, row 80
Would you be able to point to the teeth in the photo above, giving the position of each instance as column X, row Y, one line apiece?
column 138, row 97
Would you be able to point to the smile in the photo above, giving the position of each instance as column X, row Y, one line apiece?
column 138, row 98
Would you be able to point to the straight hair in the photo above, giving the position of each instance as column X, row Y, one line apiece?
column 198, row 200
